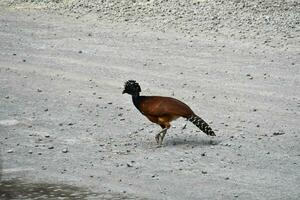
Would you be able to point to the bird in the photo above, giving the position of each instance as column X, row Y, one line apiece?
column 162, row 110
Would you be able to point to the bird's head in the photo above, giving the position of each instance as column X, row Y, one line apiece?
column 132, row 87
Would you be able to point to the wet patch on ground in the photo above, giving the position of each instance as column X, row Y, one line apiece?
column 17, row 189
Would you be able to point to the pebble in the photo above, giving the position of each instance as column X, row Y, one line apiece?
column 278, row 133
column 65, row 150
column 10, row 151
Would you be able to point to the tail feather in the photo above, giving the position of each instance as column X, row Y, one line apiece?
column 202, row 125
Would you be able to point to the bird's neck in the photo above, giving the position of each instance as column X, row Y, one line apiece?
column 136, row 99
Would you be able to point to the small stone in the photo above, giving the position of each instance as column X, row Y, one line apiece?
column 65, row 150
column 51, row 147
column 204, row 172
column 279, row 133
column 46, row 110
column 10, row 151
column 203, row 154
column 6, row 97
column 129, row 165
column 39, row 90
column 80, row 51
column 30, row 152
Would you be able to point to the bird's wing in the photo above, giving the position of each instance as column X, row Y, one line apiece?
column 164, row 106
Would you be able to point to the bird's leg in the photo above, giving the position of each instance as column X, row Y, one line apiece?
column 163, row 134
column 159, row 138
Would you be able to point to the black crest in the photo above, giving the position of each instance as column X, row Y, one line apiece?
column 132, row 87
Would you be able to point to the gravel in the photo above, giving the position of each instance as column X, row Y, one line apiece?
column 82, row 93
column 271, row 22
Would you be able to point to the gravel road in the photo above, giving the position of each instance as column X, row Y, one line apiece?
column 66, row 127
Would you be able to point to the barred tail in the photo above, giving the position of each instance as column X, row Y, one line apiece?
column 200, row 123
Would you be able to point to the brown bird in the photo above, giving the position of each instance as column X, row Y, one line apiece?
column 163, row 110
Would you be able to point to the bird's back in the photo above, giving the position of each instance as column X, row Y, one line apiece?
column 162, row 106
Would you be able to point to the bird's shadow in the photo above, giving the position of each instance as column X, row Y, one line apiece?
column 192, row 141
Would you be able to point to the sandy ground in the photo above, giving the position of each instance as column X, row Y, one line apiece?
column 63, row 119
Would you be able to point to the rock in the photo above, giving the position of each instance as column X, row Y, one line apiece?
column 278, row 133
column 39, row 90
column 10, row 151
column 65, row 150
